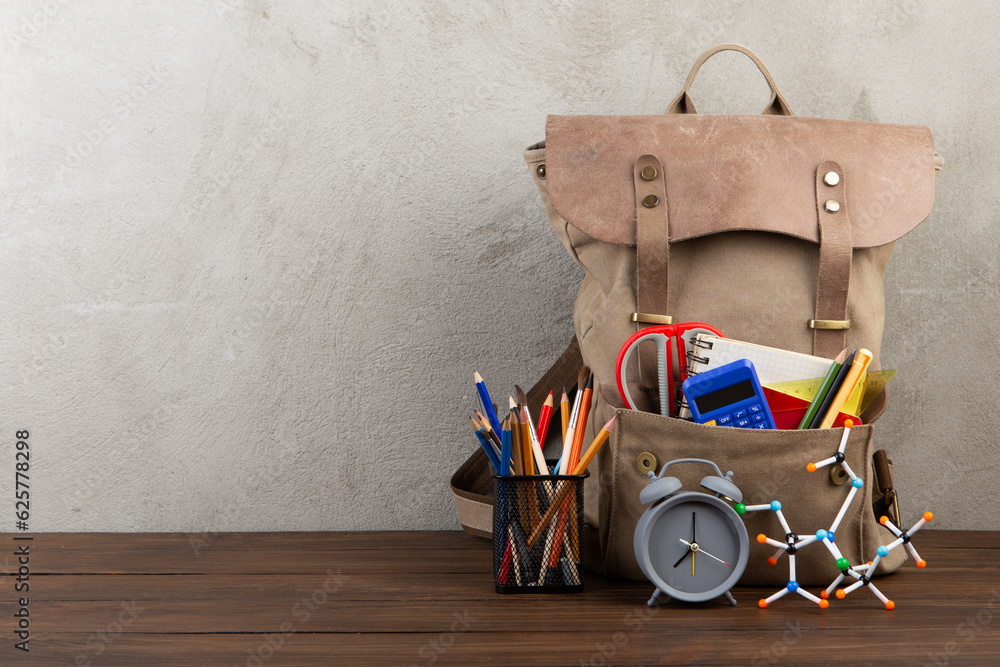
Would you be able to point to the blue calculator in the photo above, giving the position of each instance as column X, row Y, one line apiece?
column 729, row 395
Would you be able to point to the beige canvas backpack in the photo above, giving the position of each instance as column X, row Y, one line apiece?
column 777, row 230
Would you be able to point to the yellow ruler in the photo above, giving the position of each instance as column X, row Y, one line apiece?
column 870, row 386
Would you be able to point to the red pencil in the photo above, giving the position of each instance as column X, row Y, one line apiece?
column 543, row 419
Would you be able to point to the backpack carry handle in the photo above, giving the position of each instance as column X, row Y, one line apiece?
column 777, row 106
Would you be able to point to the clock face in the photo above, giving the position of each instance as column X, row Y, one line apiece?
column 696, row 545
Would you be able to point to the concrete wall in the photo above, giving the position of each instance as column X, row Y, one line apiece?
column 251, row 252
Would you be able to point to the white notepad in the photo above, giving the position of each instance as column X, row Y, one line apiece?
column 772, row 364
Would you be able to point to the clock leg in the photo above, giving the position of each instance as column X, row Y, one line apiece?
column 729, row 596
column 652, row 600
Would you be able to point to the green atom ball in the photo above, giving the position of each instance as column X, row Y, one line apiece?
column 843, row 564
column 740, row 508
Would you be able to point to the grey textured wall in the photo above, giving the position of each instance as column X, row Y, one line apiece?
column 253, row 251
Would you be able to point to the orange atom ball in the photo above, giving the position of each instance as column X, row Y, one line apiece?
column 762, row 538
column 841, row 594
column 883, row 519
column 890, row 605
column 921, row 563
column 848, row 423
column 928, row 516
column 811, row 467
column 823, row 604
column 762, row 603
column 771, row 560
column 824, row 594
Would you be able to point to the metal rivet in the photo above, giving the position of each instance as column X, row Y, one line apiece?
column 648, row 173
column 540, row 170
column 831, row 178
column 650, row 201
column 647, row 462
column 832, row 206
column 838, row 475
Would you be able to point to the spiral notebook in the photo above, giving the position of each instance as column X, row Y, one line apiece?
column 772, row 364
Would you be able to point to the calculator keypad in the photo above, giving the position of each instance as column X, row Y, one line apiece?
column 748, row 417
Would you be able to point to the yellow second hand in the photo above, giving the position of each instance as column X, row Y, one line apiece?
column 692, row 563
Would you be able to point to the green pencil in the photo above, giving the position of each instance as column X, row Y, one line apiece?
column 824, row 388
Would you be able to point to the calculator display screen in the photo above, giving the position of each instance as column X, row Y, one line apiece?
column 720, row 398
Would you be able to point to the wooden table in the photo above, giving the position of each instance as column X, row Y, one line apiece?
column 426, row 598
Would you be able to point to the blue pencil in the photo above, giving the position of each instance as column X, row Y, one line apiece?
column 488, row 448
column 488, row 410
column 505, row 451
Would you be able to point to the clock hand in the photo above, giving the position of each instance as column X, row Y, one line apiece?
column 683, row 557
column 693, row 537
column 693, row 546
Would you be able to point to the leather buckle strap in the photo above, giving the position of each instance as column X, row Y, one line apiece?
column 830, row 324
column 649, row 318
column 652, row 250
column 833, row 283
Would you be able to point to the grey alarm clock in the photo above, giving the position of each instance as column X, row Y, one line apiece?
column 692, row 545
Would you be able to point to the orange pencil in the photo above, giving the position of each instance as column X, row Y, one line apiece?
column 595, row 446
column 581, row 424
column 527, row 456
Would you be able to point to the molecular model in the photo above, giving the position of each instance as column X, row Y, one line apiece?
column 792, row 542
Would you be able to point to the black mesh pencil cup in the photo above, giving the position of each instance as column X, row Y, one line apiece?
column 537, row 523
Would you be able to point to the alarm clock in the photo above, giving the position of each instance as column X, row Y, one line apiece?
column 691, row 545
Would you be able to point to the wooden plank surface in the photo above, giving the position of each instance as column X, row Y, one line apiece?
column 426, row 598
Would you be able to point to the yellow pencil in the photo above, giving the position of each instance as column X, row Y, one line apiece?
column 860, row 365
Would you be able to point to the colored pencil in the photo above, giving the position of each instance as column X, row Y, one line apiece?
column 564, row 412
column 834, row 388
column 505, row 448
column 536, row 446
column 858, row 368
column 484, row 424
column 824, row 387
column 570, row 434
column 527, row 455
column 488, row 408
column 544, row 417
column 581, row 423
column 515, row 442
column 492, row 452
column 595, row 446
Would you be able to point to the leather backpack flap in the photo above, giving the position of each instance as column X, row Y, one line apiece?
column 787, row 272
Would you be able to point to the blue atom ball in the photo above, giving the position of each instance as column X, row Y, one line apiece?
column 882, row 551
column 820, row 534
column 775, row 505
column 793, row 586
column 830, row 536
column 857, row 483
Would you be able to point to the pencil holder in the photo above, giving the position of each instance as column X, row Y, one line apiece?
column 537, row 523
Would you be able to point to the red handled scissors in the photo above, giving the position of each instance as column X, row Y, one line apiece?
column 682, row 333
